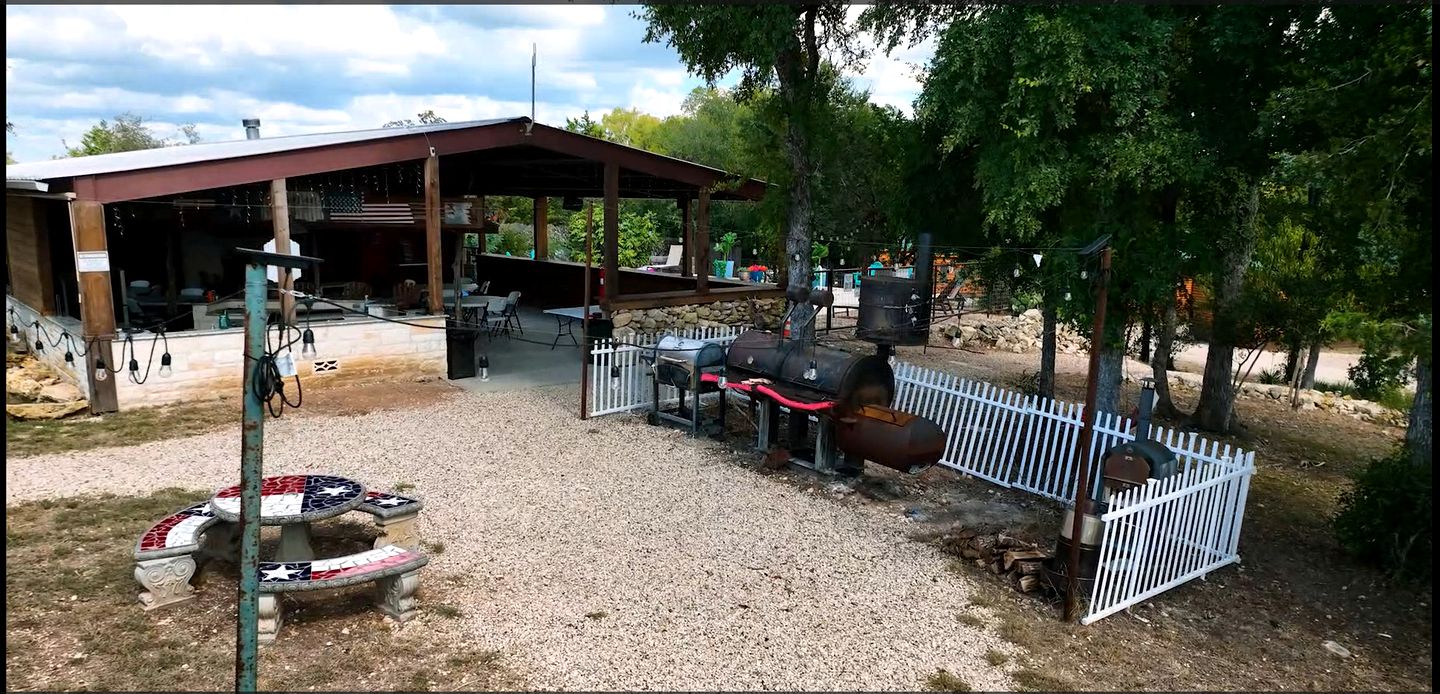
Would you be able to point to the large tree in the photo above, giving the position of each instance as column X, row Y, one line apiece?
column 778, row 45
column 127, row 133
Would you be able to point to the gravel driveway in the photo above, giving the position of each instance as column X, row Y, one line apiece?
column 610, row 554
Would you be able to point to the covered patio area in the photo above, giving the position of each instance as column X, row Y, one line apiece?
column 138, row 248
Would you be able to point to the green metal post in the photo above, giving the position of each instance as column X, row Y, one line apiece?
column 251, row 462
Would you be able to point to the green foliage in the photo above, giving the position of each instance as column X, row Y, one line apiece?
column 127, row 133
column 638, row 238
column 515, row 239
column 585, row 125
column 1272, row 377
column 426, row 117
column 1386, row 518
column 1375, row 373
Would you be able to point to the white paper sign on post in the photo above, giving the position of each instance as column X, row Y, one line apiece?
column 272, row 273
column 92, row 261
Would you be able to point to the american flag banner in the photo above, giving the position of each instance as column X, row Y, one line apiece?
column 375, row 213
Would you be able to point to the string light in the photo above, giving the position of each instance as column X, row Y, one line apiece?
column 101, row 371
column 307, row 343
column 811, row 372
column 14, row 335
column 1084, row 275
column 1067, row 296
column 1017, row 271
column 1037, row 257
column 165, row 369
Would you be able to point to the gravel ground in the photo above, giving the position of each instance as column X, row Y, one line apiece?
column 610, row 554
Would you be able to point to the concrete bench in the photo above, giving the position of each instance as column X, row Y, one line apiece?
column 394, row 570
column 165, row 555
column 395, row 516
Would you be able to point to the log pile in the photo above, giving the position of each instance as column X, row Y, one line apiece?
column 1020, row 563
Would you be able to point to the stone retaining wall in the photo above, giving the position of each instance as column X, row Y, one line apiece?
column 719, row 313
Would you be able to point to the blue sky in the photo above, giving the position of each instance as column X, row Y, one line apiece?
column 318, row 68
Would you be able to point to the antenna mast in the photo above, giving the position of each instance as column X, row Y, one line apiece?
column 532, row 83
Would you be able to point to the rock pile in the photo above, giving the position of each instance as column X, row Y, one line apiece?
column 629, row 322
column 1018, row 334
column 40, row 392
column 1364, row 410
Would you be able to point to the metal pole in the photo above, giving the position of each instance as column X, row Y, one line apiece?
column 252, row 453
column 1087, row 430
column 585, row 317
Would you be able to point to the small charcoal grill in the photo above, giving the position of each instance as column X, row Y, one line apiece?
column 682, row 363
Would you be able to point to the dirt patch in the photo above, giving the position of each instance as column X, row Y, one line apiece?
column 72, row 620
column 144, row 424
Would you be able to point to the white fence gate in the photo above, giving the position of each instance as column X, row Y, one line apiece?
column 619, row 381
column 1156, row 537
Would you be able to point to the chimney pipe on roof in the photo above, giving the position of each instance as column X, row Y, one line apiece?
column 252, row 128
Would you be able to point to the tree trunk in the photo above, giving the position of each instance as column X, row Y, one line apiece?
column 1047, row 351
column 1160, row 362
column 1107, row 388
column 1146, row 335
column 1307, row 381
column 1418, row 433
column 1292, row 360
column 796, row 69
column 1216, row 411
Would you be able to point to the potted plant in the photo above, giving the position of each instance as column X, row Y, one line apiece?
column 722, row 252
column 756, row 273
column 743, row 273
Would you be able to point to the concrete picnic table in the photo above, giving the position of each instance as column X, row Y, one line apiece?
column 293, row 502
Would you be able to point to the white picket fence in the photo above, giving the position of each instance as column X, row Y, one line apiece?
column 620, row 381
column 1156, row 537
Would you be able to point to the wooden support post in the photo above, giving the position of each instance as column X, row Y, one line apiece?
column 482, row 243
column 27, row 252
column 97, row 302
column 432, row 233
column 542, row 228
column 612, row 231
column 280, row 219
column 686, row 246
column 702, row 243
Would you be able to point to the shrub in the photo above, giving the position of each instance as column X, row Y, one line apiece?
column 515, row 239
column 1376, row 373
column 1385, row 519
column 1273, row 377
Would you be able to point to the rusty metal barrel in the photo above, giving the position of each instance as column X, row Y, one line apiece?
column 895, row 439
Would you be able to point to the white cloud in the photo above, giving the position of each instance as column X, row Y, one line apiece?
column 327, row 67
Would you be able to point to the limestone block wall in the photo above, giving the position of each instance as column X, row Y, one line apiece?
column 208, row 364
column 24, row 318
column 640, row 320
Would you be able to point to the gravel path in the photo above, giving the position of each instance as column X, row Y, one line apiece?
column 610, row 554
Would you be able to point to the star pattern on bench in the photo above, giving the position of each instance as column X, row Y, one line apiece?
column 331, row 569
column 384, row 500
column 178, row 529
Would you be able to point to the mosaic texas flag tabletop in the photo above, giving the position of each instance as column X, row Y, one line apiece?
column 294, row 498
column 362, row 567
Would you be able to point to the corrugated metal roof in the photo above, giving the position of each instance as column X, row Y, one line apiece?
column 212, row 151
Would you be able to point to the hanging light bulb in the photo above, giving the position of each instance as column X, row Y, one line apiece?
column 615, row 378
column 101, row 371
column 69, row 357
column 1017, row 271
column 1084, row 275
column 134, row 367
column 14, row 335
column 484, row 367
column 39, row 346
column 165, row 369
column 307, row 343
column 1067, row 296
column 811, row 372
column 1037, row 258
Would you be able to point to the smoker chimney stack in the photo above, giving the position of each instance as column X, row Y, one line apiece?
column 252, row 128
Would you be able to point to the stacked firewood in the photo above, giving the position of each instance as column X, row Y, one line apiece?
column 1018, row 562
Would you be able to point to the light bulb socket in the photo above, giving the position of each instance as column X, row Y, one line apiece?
column 134, row 366
column 69, row 357
column 39, row 346
column 614, row 372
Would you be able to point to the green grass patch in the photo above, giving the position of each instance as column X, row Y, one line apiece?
column 1036, row 681
column 996, row 658
column 942, row 681
column 140, row 425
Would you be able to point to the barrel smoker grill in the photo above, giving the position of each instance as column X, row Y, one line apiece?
column 848, row 394
column 683, row 363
